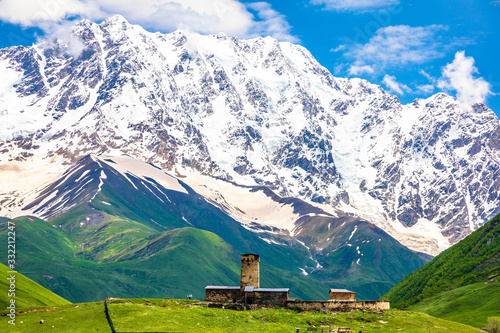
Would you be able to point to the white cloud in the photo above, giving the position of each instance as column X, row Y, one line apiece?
column 458, row 76
column 62, row 35
column 355, row 5
column 201, row 16
column 33, row 12
column 338, row 48
column 425, row 89
column 271, row 22
column 358, row 70
column 394, row 86
column 427, row 76
column 206, row 17
column 397, row 46
column 340, row 68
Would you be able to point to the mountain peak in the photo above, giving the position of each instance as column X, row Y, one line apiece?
column 259, row 113
column 116, row 19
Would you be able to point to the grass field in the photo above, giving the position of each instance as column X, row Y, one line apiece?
column 167, row 315
column 471, row 305
column 77, row 318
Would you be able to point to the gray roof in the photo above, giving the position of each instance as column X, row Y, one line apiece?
column 271, row 290
column 251, row 289
column 341, row 291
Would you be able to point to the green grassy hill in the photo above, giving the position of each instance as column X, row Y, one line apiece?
column 170, row 315
column 114, row 230
column 471, row 304
column 146, row 202
column 459, row 281
column 170, row 264
column 28, row 294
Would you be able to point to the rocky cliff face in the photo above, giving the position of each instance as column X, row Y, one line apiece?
column 258, row 113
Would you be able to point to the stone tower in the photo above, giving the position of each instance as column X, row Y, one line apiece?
column 249, row 270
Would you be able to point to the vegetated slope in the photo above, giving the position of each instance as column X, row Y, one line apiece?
column 343, row 252
column 181, row 315
column 108, row 204
column 472, row 304
column 54, row 261
column 357, row 255
column 474, row 259
column 169, row 264
column 97, row 188
column 28, row 294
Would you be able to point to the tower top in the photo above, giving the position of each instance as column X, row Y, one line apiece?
column 250, row 256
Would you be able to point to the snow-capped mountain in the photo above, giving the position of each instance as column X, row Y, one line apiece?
column 257, row 112
column 107, row 204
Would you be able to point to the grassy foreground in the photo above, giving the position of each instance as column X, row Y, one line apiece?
column 83, row 317
column 166, row 315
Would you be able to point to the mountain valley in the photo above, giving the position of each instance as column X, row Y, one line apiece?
column 142, row 165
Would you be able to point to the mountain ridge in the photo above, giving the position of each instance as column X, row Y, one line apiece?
column 258, row 113
column 108, row 211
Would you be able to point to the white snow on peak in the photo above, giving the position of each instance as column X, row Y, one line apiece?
column 272, row 241
column 235, row 200
column 128, row 165
column 256, row 112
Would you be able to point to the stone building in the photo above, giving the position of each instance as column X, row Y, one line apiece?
column 249, row 291
column 266, row 296
column 342, row 295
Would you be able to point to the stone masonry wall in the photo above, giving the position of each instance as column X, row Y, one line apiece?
column 223, row 295
column 250, row 271
column 341, row 306
column 277, row 299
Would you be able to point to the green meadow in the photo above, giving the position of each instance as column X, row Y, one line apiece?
column 170, row 315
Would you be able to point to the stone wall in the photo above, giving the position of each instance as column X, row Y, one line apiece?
column 250, row 271
column 342, row 296
column 273, row 299
column 223, row 295
column 341, row 306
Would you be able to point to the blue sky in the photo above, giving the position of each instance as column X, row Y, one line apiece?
column 413, row 48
